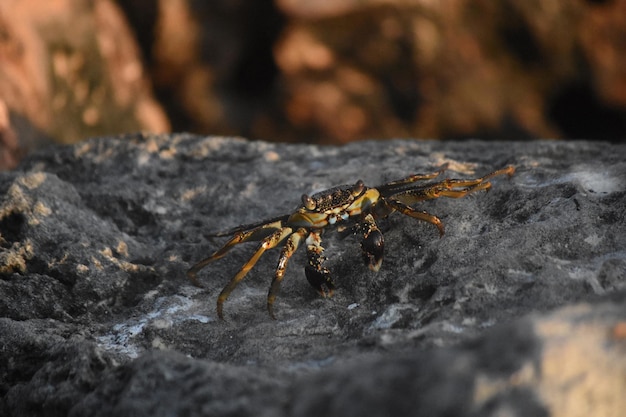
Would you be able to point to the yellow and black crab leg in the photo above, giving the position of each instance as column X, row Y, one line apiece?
column 452, row 188
column 269, row 242
column 411, row 179
column 289, row 249
column 446, row 188
column 241, row 236
column 419, row 215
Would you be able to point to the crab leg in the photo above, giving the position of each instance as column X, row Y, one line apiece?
column 255, row 234
column 289, row 249
column 419, row 215
column 412, row 178
column 446, row 188
column 269, row 242
column 450, row 188
column 508, row 170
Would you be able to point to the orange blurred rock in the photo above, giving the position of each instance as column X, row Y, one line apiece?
column 317, row 71
column 603, row 39
column 513, row 69
column 70, row 69
column 211, row 61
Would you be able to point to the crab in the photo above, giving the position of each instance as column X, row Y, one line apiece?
column 350, row 209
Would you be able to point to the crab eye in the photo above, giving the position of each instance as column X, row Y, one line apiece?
column 358, row 188
column 308, row 202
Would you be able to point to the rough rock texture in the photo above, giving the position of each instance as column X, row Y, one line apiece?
column 520, row 309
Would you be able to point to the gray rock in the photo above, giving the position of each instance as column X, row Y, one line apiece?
column 520, row 308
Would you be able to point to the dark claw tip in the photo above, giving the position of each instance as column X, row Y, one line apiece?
column 373, row 246
column 321, row 280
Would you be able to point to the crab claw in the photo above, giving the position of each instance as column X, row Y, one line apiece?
column 321, row 280
column 373, row 247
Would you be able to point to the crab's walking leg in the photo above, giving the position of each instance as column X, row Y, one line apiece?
column 290, row 247
column 453, row 188
column 507, row 170
column 255, row 234
column 419, row 215
column 413, row 178
column 268, row 243
column 317, row 275
column 447, row 188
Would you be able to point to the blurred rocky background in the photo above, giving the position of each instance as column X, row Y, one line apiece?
column 326, row 71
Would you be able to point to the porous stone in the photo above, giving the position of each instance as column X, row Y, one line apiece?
column 519, row 308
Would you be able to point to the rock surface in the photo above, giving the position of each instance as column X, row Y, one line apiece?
column 520, row 309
